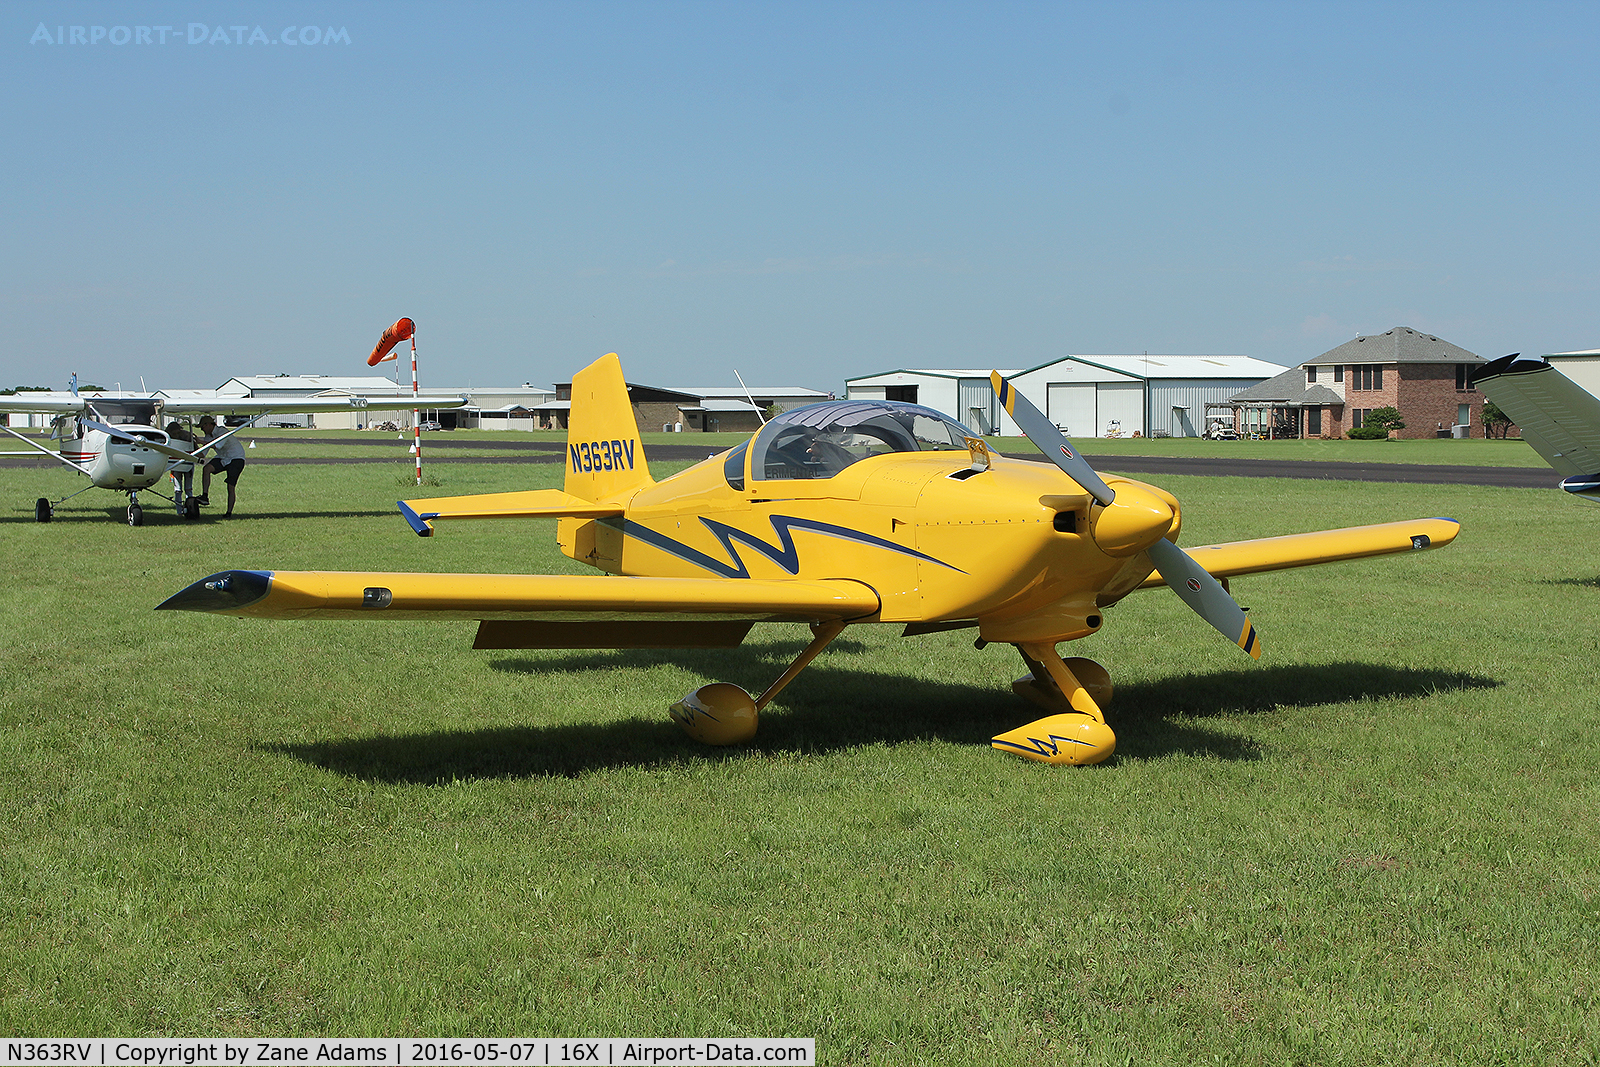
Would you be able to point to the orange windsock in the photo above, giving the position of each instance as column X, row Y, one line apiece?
column 400, row 331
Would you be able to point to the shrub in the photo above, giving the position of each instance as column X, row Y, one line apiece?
column 1384, row 418
column 1368, row 433
column 1496, row 423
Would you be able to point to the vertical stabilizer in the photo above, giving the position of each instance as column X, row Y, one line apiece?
column 605, row 457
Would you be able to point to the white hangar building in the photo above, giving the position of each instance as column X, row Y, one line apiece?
column 488, row 408
column 1582, row 367
column 1086, row 396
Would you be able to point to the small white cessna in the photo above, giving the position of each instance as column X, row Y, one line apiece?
column 117, row 441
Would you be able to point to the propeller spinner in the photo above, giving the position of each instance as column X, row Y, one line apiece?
column 1133, row 524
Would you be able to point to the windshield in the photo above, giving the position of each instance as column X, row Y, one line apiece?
column 820, row 440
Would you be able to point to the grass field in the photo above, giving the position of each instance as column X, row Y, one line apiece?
column 1379, row 845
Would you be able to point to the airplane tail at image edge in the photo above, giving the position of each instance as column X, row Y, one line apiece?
column 605, row 455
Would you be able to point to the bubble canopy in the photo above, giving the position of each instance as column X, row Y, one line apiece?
column 820, row 440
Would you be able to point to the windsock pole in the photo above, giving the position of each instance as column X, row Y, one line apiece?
column 416, row 416
column 404, row 329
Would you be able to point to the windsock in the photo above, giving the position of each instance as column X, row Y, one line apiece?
column 400, row 331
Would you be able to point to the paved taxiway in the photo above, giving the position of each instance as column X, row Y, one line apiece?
column 437, row 449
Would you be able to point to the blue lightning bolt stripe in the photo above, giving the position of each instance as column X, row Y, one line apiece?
column 785, row 554
column 1047, row 747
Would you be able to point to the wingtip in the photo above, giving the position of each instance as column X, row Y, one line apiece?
column 422, row 526
column 223, row 592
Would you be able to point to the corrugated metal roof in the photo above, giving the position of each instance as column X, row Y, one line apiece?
column 357, row 384
column 720, row 405
column 735, row 392
column 873, row 379
column 1163, row 365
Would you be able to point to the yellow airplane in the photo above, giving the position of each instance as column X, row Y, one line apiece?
column 844, row 512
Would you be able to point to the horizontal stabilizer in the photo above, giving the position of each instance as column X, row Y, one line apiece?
column 527, row 504
column 533, row 597
column 1322, row 546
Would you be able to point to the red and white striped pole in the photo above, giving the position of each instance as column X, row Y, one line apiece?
column 402, row 330
column 416, row 415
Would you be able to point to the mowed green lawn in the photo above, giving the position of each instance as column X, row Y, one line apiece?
column 1378, row 844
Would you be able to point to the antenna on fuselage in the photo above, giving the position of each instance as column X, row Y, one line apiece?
column 750, row 398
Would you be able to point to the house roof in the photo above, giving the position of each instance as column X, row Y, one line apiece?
column 1288, row 388
column 1399, row 345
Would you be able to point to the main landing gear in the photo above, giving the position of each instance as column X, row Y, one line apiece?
column 1075, row 691
column 42, row 511
column 723, row 714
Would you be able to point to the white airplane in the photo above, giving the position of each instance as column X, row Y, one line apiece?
column 1557, row 416
column 118, row 443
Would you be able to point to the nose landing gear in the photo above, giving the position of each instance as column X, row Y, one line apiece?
column 1074, row 690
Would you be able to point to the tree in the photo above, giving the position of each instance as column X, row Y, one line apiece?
column 1385, row 419
column 1496, row 423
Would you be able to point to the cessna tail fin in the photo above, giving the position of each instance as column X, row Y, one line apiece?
column 605, row 457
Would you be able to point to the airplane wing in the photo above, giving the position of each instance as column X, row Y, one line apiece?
column 45, row 403
column 1321, row 546
column 1558, row 417
column 539, row 610
column 528, row 504
column 67, row 404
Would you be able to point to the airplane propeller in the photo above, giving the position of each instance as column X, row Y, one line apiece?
column 1135, row 524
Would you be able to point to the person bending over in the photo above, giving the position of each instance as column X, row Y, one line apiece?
column 227, row 460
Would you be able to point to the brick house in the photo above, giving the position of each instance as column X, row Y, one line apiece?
column 1427, row 379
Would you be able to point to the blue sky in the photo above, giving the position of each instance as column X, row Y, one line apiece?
column 803, row 192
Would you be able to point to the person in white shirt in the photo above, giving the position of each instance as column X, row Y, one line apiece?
column 228, row 460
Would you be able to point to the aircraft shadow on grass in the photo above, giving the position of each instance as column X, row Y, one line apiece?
column 1588, row 583
column 164, row 516
column 831, row 709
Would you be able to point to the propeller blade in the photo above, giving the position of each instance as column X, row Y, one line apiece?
column 1187, row 578
column 1205, row 595
column 1051, row 441
column 154, row 446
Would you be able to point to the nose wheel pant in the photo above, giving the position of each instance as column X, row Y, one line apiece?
column 1076, row 732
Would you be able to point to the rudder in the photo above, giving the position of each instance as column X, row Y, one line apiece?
column 605, row 456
